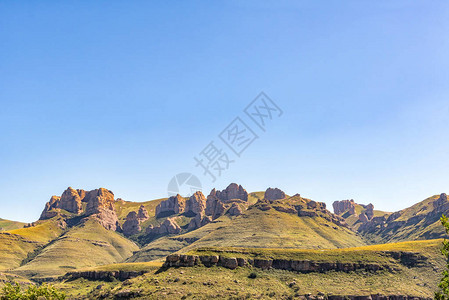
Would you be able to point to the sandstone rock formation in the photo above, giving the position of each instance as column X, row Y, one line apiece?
column 218, row 202
column 369, row 211
column 363, row 218
column 233, row 191
column 100, row 205
column 70, row 201
column 133, row 221
column 302, row 207
column 441, row 204
column 408, row 259
column 344, row 205
column 173, row 205
column 131, row 225
column 214, row 207
column 272, row 194
column 235, row 210
column 142, row 214
column 50, row 208
column 169, row 226
column 196, row 204
column 199, row 221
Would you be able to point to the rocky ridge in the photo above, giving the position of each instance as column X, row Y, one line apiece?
column 408, row 259
column 99, row 205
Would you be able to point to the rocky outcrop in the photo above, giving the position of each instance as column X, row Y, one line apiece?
column 71, row 201
column 219, row 202
column 169, row 226
column 272, row 194
column 235, row 210
column 50, row 208
column 131, row 225
column 303, row 266
column 142, row 214
column 173, row 205
column 196, row 204
column 233, row 191
column 133, row 220
column 363, row 218
column 369, row 212
column 214, row 207
column 199, row 221
column 343, row 206
column 100, row 205
column 302, row 207
column 104, row 275
column 441, row 204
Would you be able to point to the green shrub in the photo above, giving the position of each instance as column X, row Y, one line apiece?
column 252, row 275
column 45, row 291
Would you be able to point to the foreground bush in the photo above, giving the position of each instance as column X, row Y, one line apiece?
column 45, row 291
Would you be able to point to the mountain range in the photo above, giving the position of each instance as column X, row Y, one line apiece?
column 86, row 229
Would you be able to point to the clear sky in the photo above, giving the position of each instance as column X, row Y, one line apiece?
column 124, row 95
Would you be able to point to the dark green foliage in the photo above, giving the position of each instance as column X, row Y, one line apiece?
column 443, row 293
column 252, row 275
column 15, row 292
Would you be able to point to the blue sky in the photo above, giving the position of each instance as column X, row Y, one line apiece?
column 123, row 95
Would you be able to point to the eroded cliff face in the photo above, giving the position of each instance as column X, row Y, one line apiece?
column 99, row 205
column 133, row 221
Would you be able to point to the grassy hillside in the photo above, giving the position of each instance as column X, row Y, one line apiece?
column 83, row 246
column 10, row 225
column 418, row 222
column 217, row 282
column 258, row 229
column 353, row 220
column 15, row 245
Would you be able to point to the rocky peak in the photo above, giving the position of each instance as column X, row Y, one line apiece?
column 100, row 205
column 233, row 191
column 132, row 224
column 173, row 205
column 344, row 205
column 440, row 201
column 50, row 208
column 133, row 220
column 196, row 203
column 71, row 201
column 369, row 211
column 272, row 194
column 142, row 214
column 99, row 199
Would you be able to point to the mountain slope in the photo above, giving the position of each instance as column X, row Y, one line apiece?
column 10, row 225
column 263, row 225
column 85, row 245
column 15, row 245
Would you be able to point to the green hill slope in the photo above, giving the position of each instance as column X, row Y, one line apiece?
column 86, row 245
column 10, row 225
column 199, row 282
column 15, row 245
column 418, row 222
column 256, row 228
